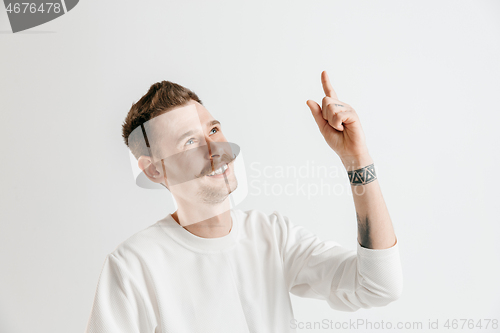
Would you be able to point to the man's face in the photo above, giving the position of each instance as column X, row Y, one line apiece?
column 190, row 149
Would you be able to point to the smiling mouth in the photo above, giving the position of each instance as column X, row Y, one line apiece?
column 219, row 171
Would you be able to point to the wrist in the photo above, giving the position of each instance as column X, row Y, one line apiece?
column 354, row 162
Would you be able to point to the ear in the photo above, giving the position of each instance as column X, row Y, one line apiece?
column 154, row 174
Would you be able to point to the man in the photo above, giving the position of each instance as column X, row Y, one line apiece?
column 210, row 268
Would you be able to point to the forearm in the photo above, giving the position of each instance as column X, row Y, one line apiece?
column 375, row 230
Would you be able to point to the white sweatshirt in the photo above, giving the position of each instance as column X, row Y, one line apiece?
column 166, row 279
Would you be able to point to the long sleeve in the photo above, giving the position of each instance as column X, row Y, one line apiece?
column 348, row 280
column 117, row 302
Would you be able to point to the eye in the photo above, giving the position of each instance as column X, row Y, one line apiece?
column 216, row 130
column 189, row 142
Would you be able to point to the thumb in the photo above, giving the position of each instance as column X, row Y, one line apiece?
column 317, row 114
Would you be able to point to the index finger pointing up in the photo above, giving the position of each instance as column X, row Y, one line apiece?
column 327, row 86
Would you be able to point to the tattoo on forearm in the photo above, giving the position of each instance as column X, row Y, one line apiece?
column 364, row 231
column 362, row 176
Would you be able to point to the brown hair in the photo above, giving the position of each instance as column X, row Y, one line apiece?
column 161, row 97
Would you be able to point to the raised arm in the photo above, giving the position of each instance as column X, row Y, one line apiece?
column 339, row 124
column 375, row 229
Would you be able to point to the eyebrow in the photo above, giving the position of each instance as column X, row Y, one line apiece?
column 189, row 133
column 213, row 122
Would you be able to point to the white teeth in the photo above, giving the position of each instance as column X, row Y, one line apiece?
column 219, row 171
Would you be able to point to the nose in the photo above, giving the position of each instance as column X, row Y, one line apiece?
column 215, row 150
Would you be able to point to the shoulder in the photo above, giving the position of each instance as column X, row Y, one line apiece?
column 141, row 245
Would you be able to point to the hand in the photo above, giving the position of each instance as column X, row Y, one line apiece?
column 339, row 124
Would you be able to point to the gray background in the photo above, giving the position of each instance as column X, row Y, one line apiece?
column 423, row 76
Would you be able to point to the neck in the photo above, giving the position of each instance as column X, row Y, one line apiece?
column 204, row 220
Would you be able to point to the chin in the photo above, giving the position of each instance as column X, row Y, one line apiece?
column 216, row 195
